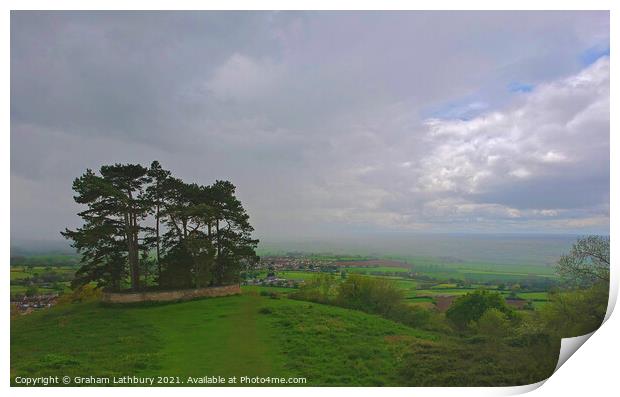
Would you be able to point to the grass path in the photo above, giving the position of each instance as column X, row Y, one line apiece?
column 213, row 337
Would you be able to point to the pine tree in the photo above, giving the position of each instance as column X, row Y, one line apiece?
column 201, row 234
column 157, row 193
column 116, row 206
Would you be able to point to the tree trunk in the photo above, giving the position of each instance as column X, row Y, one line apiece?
column 136, row 252
column 157, row 239
column 217, row 235
column 132, row 245
column 129, row 234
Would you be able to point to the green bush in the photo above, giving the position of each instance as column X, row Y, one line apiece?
column 368, row 294
column 494, row 324
column 85, row 293
column 576, row 312
column 322, row 288
column 467, row 309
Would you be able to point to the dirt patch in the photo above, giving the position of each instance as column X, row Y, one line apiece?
column 443, row 302
column 516, row 303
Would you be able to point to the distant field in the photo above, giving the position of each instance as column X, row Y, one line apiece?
column 292, row 275
column 471, row 272
column 375, row 263
column 20, row 289
column 534, row 296
column 436, row 292
column 46, row 260
column 27, row 271
column 24, row 272
column 410, row 286
column 382, row 269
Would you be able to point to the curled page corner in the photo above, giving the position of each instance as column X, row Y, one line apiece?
column 613, row 295
column 516, row 390
column 569, row 346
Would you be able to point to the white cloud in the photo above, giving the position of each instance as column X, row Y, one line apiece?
column 242, row 77
column 553, row 157
column 561, row 126
column 503, row 169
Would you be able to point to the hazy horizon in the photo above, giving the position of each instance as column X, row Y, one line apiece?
column 499, row 249
column 332, row 125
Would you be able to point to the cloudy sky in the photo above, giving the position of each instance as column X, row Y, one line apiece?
column 329, row 123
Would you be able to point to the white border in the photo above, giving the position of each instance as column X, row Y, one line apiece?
column 592, row 370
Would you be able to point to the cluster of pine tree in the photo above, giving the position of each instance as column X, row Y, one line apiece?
column 144, row 228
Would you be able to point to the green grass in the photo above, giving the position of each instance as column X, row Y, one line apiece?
column 536, row 296
column 248, row 335
column 222, row 336
column 338, row 347
column 295, row 275
column 81, row 339
column 259, row 288
column 219, row 336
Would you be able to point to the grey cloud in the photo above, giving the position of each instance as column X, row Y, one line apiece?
column 318, row 117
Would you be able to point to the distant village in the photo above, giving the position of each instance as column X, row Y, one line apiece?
column 24, row 304
column 266, row 272
column 274, row 264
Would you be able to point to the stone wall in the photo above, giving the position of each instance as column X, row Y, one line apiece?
column 166, row 296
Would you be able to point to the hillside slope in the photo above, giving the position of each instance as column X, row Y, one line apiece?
column 250, row 335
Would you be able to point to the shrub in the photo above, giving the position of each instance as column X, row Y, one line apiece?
column 369, row 294
column 322, row 288
column 414, row 316
column 468, row 309
column 494, row 323
column 84, row 293
column 577, row 312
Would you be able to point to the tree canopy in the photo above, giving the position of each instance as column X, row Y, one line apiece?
column 581, row 308
column 470, row 307
column 143, row 227
column 587, row 263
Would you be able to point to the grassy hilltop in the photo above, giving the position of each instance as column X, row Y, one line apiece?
column 254, row 335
